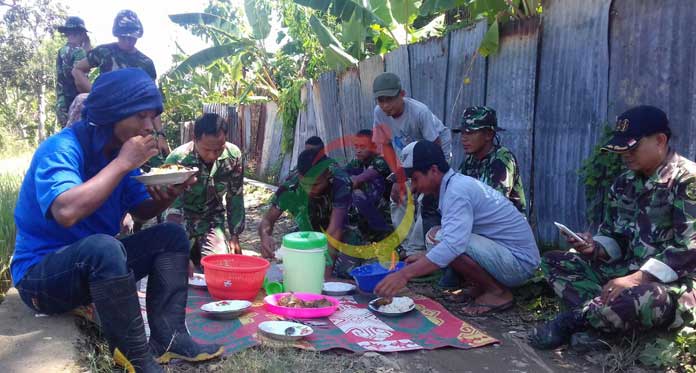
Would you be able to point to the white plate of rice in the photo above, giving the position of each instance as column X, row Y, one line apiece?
column 398, row 306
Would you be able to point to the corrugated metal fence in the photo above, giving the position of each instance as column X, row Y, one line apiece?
column 555, row 83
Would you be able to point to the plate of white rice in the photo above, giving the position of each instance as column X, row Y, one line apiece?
column 398, row 306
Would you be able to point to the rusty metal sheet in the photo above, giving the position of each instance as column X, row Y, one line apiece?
column 368, row 70
column 271, row 159
column 656, row 65
column 570, row 110
column 511, row 89
column 328, row 115
column 306, row 122
column 428, row 61
column 396, row 62
column 350, row 101
column 465, row 82
column 228, row 112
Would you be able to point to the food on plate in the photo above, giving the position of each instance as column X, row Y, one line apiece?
column 167, row 168
column 397, row 305
column 383, row 301
column 290, row 300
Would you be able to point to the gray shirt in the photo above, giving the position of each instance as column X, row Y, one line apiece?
column 416, row 123
column 469, row 206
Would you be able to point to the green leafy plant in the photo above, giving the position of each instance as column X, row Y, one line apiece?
column 676, row 352
column 598, row 173
column 290, row 104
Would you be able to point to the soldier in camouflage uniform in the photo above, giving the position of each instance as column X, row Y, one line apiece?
column 213, row 208
column 371, row 188
column 122, row 54
column 319, row 199
column 73, row 51
column 637, row 272
column 487, row 160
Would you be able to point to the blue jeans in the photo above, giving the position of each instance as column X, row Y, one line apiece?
column 60, row 282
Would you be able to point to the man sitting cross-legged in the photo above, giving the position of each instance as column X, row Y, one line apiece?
column 638, row 272
column 484, row 237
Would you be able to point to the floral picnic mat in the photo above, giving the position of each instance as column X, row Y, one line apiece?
column 352, row 327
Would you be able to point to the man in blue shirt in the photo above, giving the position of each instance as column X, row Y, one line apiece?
column 77, row 189
column 483, row 238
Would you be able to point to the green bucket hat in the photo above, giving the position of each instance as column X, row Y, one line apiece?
column 478, row 117
column 72, row 24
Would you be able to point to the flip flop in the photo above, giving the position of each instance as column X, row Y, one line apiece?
column 492, row 308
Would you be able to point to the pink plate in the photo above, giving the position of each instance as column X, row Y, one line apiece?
column 271, row 304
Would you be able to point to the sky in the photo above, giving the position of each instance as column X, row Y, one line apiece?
column 159, row 32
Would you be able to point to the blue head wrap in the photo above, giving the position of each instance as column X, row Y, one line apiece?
column 115, row 96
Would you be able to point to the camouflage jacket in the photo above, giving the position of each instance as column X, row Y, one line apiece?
column 499, row 170
column 314, row 214
column 109, row 57
column 650, row 224
column 378, row 188
column 217, row 197
column 65, row 83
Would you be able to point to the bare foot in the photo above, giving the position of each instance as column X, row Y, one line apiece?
column 489, row 303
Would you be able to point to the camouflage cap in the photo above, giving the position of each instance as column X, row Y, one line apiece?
column 478, row 117
column 127, row 24
column 72, row 24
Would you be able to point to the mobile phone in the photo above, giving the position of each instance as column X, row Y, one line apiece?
column 568, row 232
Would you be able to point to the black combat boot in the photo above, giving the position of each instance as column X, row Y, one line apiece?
column 558, row 331
column 167, row 291
column 116, row 301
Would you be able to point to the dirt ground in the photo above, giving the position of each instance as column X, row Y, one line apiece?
column 513, row 354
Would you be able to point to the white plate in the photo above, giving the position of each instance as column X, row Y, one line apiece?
column 337, row 288
column 277, row 330
column 166, row 178
column 226, row 306
column 374, row 308
column 198, row 280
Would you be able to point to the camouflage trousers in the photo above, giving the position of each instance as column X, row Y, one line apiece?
column 579, row 281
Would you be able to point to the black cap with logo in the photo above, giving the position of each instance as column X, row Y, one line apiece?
column 634, row 124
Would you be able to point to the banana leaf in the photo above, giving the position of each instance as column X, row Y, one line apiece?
column 344, row 10
column 207, row 56
column 258, row 13
column 207, row 20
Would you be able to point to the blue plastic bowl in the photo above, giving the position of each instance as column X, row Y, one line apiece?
column 369, row 275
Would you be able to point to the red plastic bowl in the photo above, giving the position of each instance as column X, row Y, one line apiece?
column 232, row 276
column 271, row 304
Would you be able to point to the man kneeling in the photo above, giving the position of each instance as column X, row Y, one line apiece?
column 78, row 188
column 483, row 238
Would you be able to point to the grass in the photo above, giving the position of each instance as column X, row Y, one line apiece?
column 9, row 188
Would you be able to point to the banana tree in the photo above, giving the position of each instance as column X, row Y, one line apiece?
column 232, row 43
column 394, row 19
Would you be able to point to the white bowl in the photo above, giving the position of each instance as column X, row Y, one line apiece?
column 278, row 330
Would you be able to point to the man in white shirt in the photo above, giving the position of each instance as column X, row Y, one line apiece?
column 483, row 237
column 398, row 121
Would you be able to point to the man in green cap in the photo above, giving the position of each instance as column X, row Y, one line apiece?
column 74, row 50
column 399, row 121
column 486, row 159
